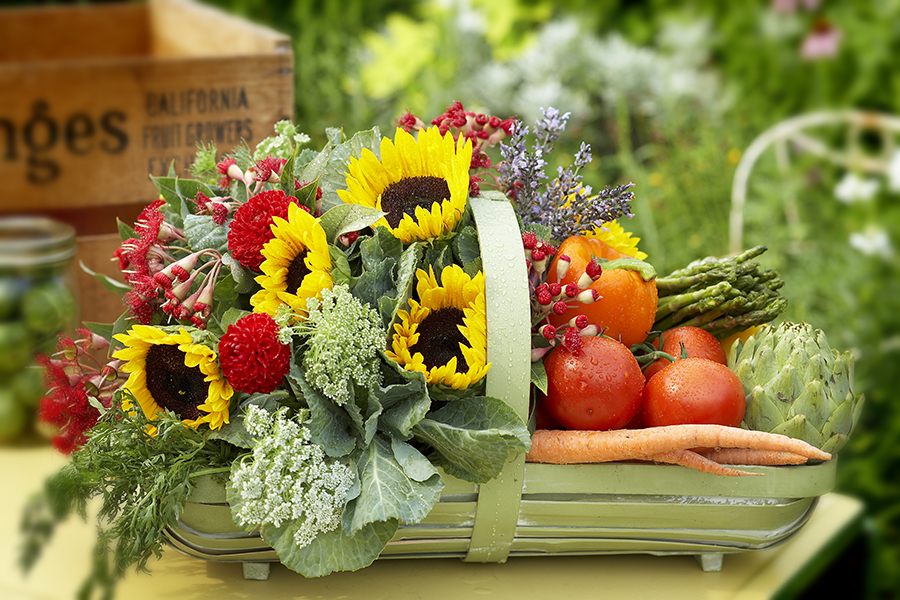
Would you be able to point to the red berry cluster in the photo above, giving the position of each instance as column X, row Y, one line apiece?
column 483, row 130
column 554, row 297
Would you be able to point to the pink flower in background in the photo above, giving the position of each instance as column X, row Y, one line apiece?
column 821, row 42
column 789, row 6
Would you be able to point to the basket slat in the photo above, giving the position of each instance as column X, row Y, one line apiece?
column 508, row 352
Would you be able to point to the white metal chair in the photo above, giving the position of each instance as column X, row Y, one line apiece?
column 796, row 134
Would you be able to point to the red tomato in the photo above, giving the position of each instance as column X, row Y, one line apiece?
column 693, row 390
column 543, row 419
column 699, row 343
column 598, row 388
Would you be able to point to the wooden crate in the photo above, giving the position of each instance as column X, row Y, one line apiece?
column 95, row 98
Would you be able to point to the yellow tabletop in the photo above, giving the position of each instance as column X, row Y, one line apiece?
column 745, row 575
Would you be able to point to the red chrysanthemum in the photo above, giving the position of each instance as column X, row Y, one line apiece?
column 251, row 227
column 251, row 357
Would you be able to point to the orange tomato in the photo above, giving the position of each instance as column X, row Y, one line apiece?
column 626, row 309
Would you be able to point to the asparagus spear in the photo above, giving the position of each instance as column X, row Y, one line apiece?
column 720, row 294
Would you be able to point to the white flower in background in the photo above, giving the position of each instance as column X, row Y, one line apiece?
column 853, row 188
column 289, row 478
column 872, row 241
column 893, row 173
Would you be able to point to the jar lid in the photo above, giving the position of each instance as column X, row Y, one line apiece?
column 27, row 241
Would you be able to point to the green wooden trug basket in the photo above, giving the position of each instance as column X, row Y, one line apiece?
column 539, row 509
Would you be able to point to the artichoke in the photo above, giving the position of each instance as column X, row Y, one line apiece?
column 797, row 385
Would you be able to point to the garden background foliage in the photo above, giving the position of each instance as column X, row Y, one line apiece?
column 669, row 95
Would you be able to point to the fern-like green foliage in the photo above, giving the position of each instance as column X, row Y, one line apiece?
column 142, row 480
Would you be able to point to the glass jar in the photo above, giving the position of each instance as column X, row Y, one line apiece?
column 38, row 301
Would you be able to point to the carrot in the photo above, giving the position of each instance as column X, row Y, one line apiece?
column 693, row 460
column 567, row 447
column 746, row 456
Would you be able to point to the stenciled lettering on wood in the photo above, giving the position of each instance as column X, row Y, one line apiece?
column 203, row 117
column 42, row 134
column 171, row 123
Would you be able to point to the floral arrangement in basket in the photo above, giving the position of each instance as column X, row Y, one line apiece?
column 310, row 326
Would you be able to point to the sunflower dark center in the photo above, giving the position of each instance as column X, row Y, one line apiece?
column 402, row 197
column 297, row 270
column 439, row 339
column 173, row 384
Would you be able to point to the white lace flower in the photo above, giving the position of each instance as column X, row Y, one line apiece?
column 289, row 478
column 343, row 337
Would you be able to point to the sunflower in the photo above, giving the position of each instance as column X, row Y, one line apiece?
column 296, row 265
column 444, row 334
column 616, row 237
column 421, row 183
column 167, row 370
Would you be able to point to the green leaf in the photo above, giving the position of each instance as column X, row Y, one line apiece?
column 244, row 280
column 303, row 159
column 331, row 426
column 406, row 281
column 330, row 551
column 307, row 195
column 203, row 233
column 474, row 437
column 344, row 218
column 373, row 250
column 386, row 308
column 176, row 191
column 404, row 405
column 334, row 176
column 107, row 282
column 369, row 414
column 439, row 255
column 473, row 268
column 340, row 266
column 104, row 330
column 316, row 167
column 125, row 230
column 387, row 492
column 416, row 466
column 375, row 284
column 539, row 375
column 286, row 181
column 231, row 316
column 465, row 246
column 335, row 135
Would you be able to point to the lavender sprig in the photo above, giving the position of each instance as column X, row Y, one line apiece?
column 566, row 206
column 584, row 212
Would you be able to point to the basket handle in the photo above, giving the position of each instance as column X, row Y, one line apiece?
column 509, row 378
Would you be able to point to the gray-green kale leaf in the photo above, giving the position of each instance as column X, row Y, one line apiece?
column 472, row 438
column 345, row 218
column 405, row 404
column 202, row 232
column 387, row 492
column 330, row 551
column 330, row 425
column 334, row 174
